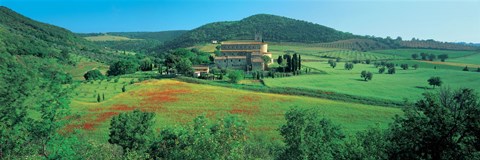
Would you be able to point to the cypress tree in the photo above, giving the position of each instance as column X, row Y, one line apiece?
column 299, row 62
column 103, row 96
column 98, row 98
column 294, row 62
column 123, row 88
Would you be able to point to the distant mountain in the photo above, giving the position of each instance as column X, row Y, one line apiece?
column 160, row 36
column 272, row 28
column 139, row 42
column 469, row 44
column 283, row 29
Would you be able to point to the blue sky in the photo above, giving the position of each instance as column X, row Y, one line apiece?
column 446, row 20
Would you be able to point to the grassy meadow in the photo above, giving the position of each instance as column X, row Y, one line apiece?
column 108, row 38
column 405, row 84
column 177, row 103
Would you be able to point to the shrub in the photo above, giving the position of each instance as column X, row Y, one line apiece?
column 235, row 76
column 93, row 75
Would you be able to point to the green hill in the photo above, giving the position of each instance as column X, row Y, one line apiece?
column 20, row 35
column 283, row 29
column 273, row 29
column 140, row 42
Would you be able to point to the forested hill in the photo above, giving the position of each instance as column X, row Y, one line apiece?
column 283, row 29
column 273, row 28
column 20, row 35
column 160, row 36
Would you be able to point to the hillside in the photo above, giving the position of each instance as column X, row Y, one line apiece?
column 273, row 29
column 141, row 42
column 282, row 29
column 20, row 35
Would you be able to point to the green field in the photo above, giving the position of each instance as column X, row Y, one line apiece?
column 82, row 66
column 108, row 38
column 176, row 103
column 315, row 53
column 407, row 53
column 471, row 59
column 408, row 84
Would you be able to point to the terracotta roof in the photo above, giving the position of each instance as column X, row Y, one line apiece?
column 231, row 57
column 224, row 50
column 200, row 67
column 252, row 42
column 257, row 60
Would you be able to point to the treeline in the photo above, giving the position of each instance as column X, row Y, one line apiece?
column 289, row 63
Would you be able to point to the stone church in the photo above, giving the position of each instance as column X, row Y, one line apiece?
column 243, row 55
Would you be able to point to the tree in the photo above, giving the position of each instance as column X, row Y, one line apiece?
column 282, row 62
column 146, row 64
column 415, row 66
column 404, row 66
column 235, row 76
column 222, row 139
column 366, row 75
column 369, row 144
column 440, row 126
column 25, row 89
column 465, row 69
column 103, row 96
column 348, row 66
column 288, row 59
column 294, row 62
column 124, row 89
column 122, row 67
column 414, row 56
column 266, row 60
column 443, row 57
column 93, row 75
column 308, row 137
column 478, row 69
column 98, row 98
column 435, row 81
column 170, row 62
column 299, row 62
column 432, row 57
column 333, row 64
column 184, row 66
column 368, row 61
column 391, row 70
column 424, row 56
column 381, row 70
column 132, row 130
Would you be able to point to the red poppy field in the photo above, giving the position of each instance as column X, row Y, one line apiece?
column 177, row 103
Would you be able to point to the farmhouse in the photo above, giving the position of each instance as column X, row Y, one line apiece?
column 199, row 70
column 243, row 55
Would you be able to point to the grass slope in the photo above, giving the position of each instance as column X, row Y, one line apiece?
column 408, row 84
column 176, row 102
column 108, row 38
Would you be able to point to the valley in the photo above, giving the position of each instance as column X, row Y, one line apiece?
column 262, row 87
